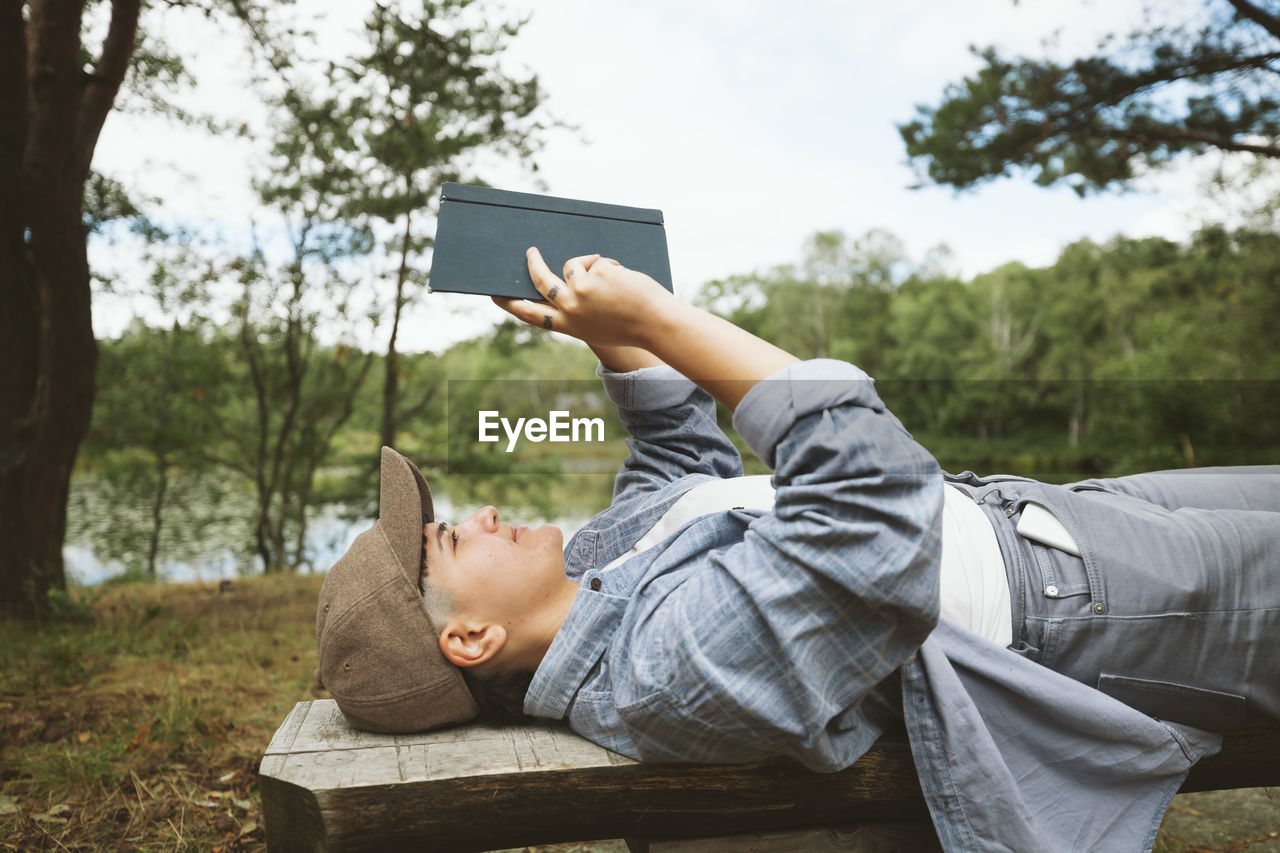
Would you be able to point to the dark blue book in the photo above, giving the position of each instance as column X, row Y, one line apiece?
column 482, row 235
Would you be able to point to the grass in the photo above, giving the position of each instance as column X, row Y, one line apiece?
column 137, row 722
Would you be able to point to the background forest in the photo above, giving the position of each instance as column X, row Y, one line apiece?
column 1128, row 356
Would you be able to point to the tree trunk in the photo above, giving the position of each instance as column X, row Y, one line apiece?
column 50, row 115
column 23, row 583
column 157, row 512
column 391, row 381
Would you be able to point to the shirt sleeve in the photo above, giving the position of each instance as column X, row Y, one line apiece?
column 774, row 643
column 673, row 429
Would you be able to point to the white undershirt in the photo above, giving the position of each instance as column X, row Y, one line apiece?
column 975, row 588
column 974, row 585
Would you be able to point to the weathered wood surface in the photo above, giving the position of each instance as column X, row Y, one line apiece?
column 328, row 787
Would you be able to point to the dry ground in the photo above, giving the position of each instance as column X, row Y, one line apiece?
column 137, row 722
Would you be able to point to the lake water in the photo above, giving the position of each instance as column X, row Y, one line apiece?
column 206, row 537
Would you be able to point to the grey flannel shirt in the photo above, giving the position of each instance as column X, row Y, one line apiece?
column 806, row 631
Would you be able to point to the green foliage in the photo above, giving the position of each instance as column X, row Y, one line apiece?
column 832, row 305
column 65, row 607
column 1131, row 355
column 285, row 397
column 1101, row 120
column 396, row 122
column 430, row 90
column 146, row 448
column 1124, row 356
column 106, row 200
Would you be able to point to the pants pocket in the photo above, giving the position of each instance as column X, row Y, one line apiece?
column 1212, row 710
column 1062, row 575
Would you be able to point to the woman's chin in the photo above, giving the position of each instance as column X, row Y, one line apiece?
column 553, row 533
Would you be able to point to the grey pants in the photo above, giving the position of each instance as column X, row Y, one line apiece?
column 1173, row 606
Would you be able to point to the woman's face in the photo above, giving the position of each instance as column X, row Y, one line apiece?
column 493, row 571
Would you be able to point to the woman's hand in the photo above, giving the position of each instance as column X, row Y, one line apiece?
column 598, row 301
column 616, row 310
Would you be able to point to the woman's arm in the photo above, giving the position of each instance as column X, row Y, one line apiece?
column 626, row 359
column 607, row 305
column 773, row 639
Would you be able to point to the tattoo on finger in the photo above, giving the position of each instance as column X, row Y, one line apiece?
column 546, row 321
column 552, row 293
column 568, row 274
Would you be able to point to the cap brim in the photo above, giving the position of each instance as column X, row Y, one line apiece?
column 404, row 505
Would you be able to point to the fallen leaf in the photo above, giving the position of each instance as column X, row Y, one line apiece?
column 244, row 804
column 206, row 804
column 215, row 795
column 248, row 827
column 83, row 737
column 227, row 777
column 139, row 737
column 60, row 808
column 8, row 806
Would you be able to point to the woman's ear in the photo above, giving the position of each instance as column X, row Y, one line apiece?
column 468, row 645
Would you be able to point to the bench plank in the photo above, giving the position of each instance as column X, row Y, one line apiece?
column 328, row 787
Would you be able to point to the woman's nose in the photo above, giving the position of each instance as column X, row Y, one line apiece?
column 487, row 519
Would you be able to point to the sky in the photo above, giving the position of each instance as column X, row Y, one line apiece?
column 751, row 124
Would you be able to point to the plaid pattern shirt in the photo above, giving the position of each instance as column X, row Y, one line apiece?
column 806, row 631
column 751, row 634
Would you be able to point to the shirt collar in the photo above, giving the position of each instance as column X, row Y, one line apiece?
column 585, row 634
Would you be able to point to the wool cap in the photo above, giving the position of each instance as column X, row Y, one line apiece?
column 379, row 652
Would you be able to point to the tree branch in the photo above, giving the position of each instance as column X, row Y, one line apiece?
column 102, row 86
column 1175, row 134
column 1159, row 75
column 418, row 407
column 276, row 58
column 1251, row 12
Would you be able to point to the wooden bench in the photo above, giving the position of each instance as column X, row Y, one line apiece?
column 328, row 787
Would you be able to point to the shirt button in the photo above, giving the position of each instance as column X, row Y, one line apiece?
column 595, row 584
column 1051, row 590
column 1010, row 510
column 1099, row 608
